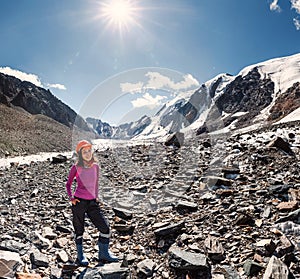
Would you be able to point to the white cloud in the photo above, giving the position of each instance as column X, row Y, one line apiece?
column 158, row 81
column 148, row 101
column 274, row 6
column 21, row 75
column 29, row 77
column 295, row 4
column 297, row 23
column 131, row 87
column 57, row 86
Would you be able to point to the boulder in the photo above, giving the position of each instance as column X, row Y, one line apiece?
column 146, row 267
column 183, row 260
column 123, row 213
column 252, row 268
column 276, row 269
column 170, row 229
column 281, row 144
column 214, row 249
column 9, row 263
column 176, row 139
column 59, row 159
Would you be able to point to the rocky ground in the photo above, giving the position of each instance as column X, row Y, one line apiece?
column 218, row 207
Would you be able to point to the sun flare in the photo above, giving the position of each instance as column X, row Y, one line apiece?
column 119, row 14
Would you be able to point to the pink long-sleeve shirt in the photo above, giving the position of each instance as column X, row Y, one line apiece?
column 87, row 182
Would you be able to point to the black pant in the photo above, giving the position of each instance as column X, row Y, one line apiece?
column 93, row 211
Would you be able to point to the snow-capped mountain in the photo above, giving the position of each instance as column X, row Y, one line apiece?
column 259, row 94
column 262, row 93
column 123, row 131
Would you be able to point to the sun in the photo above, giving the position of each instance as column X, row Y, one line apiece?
column 119, row 14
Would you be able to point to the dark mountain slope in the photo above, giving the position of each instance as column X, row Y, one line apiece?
column 33, row 120
column 37, row 100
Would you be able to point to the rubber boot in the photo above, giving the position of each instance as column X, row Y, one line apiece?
column 81, row 258
column 104, row 254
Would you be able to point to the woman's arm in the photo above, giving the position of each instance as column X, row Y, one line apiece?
column 97, row 182
column 71, row 176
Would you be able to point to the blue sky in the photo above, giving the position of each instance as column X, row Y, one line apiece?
column 79, row 47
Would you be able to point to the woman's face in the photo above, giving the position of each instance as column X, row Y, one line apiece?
column 86, row 153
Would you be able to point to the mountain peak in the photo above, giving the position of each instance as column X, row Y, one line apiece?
column 263, row 92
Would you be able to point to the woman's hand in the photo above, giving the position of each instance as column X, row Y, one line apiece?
column 98, row 202
column 74, row 201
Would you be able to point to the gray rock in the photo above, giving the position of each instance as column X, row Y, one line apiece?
column 252, row 268
column 185, row 205
column 55, row 273
column 14, row 246
column 63, row 256
column 293, row 216
column 280, row 143
column 139, row 188
column 123, row 213
column 39, row 241
column 9, row 263
column 265, row 247
column 245, row 219
column 214, row 249
column 267, row 212
column 34, row 193
column 224, row 272
column 183, row 260
column 63, row 229
column 176, row 139
column 146, row 267
column 39, row 259
column 170, row 229
column 288, row 227
column 112, row 271
column 285, row 246
column 276, row 269
column 48, row 233
column 90, row 273
column 124, row 228
column 59, row 159
column 217, row 181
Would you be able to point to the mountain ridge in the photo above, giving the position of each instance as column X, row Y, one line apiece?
column 34, row 120
column 235, row 101
column 37, row 100
column 259, row 93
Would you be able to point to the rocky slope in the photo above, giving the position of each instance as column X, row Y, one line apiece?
column 23, row 133
column 30, row 133
column 219, row 207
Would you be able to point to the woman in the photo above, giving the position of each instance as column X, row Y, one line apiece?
column 85, row 201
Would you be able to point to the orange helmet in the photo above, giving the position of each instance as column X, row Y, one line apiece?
column 82, row 144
